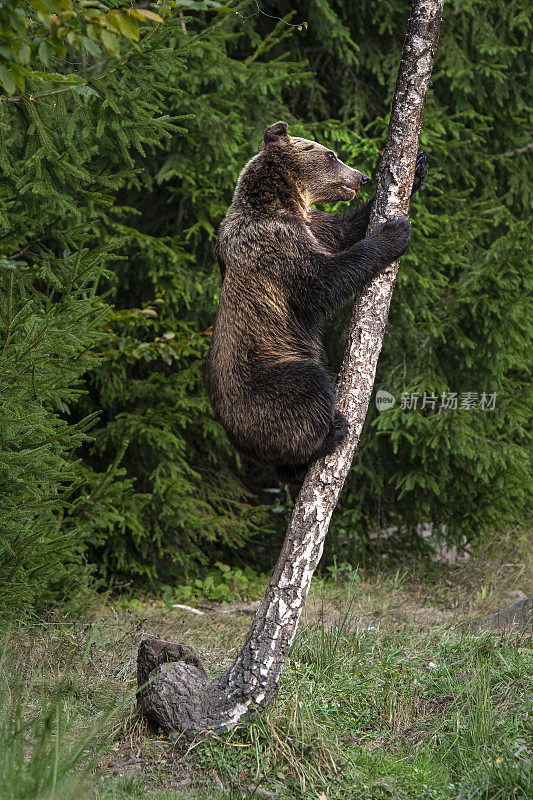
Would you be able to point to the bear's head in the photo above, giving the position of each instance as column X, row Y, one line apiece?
column 320, row 176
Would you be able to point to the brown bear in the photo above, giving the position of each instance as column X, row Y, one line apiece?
column 285, row 266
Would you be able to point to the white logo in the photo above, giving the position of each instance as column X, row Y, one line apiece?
column 384, row 400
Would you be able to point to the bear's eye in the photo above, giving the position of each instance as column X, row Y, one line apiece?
column 332, row 156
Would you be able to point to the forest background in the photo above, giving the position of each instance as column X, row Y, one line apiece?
column 123, row 129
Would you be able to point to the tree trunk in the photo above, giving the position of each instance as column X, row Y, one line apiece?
column 180, row 697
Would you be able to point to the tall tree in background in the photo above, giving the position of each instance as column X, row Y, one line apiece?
column 189, row 503
column 67, row 138
column 460, row 317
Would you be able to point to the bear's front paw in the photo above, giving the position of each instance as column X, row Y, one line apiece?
column 421, row 171
column 393, row 237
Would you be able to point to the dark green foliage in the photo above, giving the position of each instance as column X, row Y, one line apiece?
column 45, row 348
column 63, row 156
column 101, row 176
column 461, row 314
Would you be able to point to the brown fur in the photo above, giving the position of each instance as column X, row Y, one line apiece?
column 286, row 266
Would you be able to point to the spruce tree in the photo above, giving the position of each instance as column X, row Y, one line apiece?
column 77, row 104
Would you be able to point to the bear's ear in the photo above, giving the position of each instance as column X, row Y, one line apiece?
column 274, row 131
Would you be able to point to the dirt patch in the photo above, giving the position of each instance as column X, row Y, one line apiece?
column 436, row 706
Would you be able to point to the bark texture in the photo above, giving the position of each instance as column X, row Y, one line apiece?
column 177, row 694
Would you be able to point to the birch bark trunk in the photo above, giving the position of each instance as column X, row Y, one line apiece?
column 180, row 697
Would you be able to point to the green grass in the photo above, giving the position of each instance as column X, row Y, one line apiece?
column 374, row 714
column 54, row 722
column 384, row 700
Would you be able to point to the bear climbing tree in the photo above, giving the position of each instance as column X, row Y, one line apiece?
column 175, row 692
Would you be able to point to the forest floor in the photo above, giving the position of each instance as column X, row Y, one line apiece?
column 388, row 695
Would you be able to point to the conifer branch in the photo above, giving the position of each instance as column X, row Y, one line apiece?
column 511, row 153
column 9, row 310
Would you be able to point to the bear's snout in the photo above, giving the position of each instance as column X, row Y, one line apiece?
column 356, row 180
column 352, row 182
